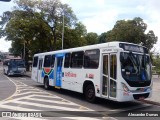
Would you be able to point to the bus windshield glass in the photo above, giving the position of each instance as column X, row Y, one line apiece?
column 135, row 67
column 17, row 63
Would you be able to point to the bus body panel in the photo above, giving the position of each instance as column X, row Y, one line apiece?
column 34, row 73
column 74, row 78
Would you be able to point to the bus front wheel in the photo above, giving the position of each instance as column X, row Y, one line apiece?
column 46, row 83
column 90, row 93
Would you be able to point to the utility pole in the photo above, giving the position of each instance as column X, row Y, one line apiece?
column 24, row 51
column 63, row 30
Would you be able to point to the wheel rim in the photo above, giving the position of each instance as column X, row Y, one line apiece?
column 90, row 93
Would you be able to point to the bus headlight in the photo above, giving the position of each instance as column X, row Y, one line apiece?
column 125, row 88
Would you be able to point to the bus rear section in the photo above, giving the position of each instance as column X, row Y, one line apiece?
column 14, row 67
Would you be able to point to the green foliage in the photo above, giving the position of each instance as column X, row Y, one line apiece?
column 156, row 64
column 38, row 25
column 74, row 37
column 25, row 28
column 91, row 38
column 130, row 31
column 103, row 37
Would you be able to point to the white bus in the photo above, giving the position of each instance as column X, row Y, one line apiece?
column 117, row 71
column 14, row 67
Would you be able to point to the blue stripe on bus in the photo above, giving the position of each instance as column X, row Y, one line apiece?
column 43, row 74
column 51, row 75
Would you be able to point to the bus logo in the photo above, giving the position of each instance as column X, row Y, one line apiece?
column 70, row 74
column 91, row 76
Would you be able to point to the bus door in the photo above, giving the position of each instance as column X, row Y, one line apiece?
column 40, row 63
column 109, row 76
column 58, row 70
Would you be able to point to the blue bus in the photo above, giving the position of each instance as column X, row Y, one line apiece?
column 14, row 67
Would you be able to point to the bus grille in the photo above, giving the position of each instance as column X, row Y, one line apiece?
column 138, row 96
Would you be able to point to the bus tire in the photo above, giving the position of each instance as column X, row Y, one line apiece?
column 8, row 73
column 90, row 93
column 46, row 83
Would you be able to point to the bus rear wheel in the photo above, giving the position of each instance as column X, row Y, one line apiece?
column 46, row 83
column 90, row 93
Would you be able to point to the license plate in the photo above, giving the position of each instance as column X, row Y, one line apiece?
column 141, row 98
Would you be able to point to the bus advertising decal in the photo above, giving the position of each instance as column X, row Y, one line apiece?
column 91, row 76
column 70, row 74
column 49, row 72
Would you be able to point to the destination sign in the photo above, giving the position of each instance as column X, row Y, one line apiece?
column 133, row 48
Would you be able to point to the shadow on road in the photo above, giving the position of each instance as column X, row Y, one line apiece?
column 100, row 102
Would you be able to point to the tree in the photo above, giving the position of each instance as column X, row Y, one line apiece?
column 49, row 13
column 91, row 38
column 52, row 12
column 37, row 25
column 156, row 64
column 131, row 31
column 25, row 27
column 74, row 37
column 103, row 38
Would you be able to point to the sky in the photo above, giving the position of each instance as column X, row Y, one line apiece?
column 101, row 15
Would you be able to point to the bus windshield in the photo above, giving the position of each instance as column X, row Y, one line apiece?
column 135, row 67
column 17, row 63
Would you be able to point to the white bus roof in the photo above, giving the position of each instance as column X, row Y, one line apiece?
column 96, row 46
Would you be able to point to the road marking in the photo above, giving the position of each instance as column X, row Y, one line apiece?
column 33, row 93
column 23, row 78
column 82, row 108
column 51, row 101
column 25, row 93
column 17, row 108
column 53, row 96
column 47, row 106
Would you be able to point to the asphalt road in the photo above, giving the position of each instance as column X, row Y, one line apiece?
column 31, row 96
column 7, row 87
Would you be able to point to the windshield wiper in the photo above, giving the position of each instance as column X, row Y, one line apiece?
column 135, row 62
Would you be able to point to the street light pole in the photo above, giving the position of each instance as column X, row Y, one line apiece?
column 24, row 51
column 63, row 30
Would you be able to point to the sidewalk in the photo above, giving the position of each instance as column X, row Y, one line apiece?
column 155, row 92
column 28, row 74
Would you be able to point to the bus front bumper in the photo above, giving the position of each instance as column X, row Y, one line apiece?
column 16, row 73
column 130, row 96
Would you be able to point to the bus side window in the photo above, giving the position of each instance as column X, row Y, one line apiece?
column 52, row 61
column 47, row 61
column 35, row 61
column 77, row 59
column 67, row 60
column 113, row 66
column 91, row 59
